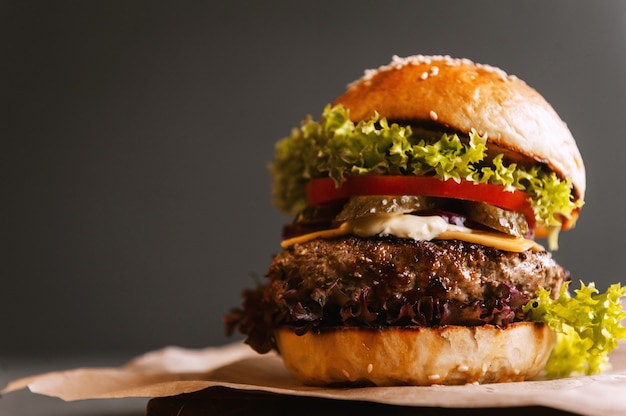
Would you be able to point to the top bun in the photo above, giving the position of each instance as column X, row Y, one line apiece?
column 461, row 95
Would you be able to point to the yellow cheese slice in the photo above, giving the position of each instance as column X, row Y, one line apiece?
column 491, row 239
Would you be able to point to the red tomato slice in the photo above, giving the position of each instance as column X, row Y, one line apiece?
column 323, row 191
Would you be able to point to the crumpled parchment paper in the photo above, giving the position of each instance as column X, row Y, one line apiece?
column 172, row 371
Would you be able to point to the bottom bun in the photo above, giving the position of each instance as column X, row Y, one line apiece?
column 416, row 355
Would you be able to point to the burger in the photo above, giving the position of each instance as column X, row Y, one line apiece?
column 419, row 200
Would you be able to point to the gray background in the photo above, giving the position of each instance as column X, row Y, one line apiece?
column 135, row 138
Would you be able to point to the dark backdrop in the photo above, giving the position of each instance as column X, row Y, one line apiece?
column 135, row 137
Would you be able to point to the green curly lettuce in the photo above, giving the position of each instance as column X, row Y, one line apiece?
column 337, row 147
column 588, row 327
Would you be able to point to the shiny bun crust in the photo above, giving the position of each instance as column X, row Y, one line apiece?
column 462, row 95
column 416, row 356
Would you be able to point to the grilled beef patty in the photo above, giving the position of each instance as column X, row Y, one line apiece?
column 388, row 281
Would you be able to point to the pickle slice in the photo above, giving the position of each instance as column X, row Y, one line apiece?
column 359, row 206
column 508, row 222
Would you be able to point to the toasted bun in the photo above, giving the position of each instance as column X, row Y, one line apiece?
column 416, row 356
column 461, row 95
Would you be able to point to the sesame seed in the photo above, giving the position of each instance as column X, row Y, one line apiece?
column 345, row 373
column 434, row 377
column 433, row 115
column 399, row 62
column 370, row 368
column 463, row 368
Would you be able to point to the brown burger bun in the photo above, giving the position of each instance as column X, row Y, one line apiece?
column 459, row 95
column 416, row 356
